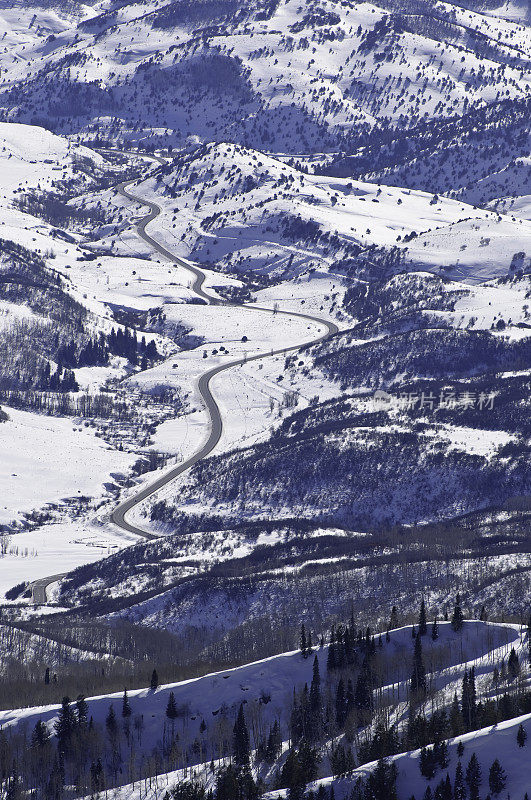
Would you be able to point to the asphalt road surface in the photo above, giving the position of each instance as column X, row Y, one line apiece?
column 38, row 588
column 118, row 516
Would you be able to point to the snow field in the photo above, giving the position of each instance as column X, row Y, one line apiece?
column 56, row 547
column 50, row 460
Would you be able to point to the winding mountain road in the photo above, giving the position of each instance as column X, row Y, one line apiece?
column 204, row 388
column 215, row 425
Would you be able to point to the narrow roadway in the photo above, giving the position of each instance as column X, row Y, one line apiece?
column 118, row 516
column 204, row 388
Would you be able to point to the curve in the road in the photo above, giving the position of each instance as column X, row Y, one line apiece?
column 204, row 385
column 38, row 588
column 118, row 516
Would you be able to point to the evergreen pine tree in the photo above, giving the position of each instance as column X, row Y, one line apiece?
column 513, row 665
column 65, row 726
column 435, row 630
column 497, row 777
column 303, row 642
column 440, row 791
column 274, row 742
column 315, row 687
column 423, row 628
column 81, row 711
column 171, row 707
column 126, row 705
column 381, row 783
column 459, row 783
column 331, row 659
column 418, row 674
column 111, row 724
column 350, row 645
column 97, row 780
column 309, row 761
column 393, row 620
column 293, row 777
column 363, row 698
column 40, row 736
column 296, row 722
column 468, row 699
column 341, row 705
column 54, row 789
column 427, row 763
column 227, row 785
column 241, row 742
column 473, row 777
column 47, row 676
column 154, row 681
column 503, row 672
column 456, row 718
column 442, row 754
column 314, row 715
column 521, row 736
column 457, row 617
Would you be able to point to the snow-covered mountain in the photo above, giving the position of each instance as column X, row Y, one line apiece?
column 274, row 75
column 265, row 283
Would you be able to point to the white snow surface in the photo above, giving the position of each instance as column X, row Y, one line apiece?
column 49, row 459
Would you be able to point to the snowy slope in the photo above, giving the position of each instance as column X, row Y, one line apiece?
column 245, row 212
column 489, row 743
column 204, row 697
column 47, row 460
column 333, row 70
column 498, row 741
column 265, row 688
column 56, row 547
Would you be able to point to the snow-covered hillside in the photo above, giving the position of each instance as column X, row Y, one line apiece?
column 46, row 460
column 299, row 79
column 265, row 281
column 206, row 706
column 495, row 742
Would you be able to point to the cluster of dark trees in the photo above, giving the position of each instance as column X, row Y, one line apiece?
column 26, row 280
column 61, row 380
column 194, row 11
column 467, row 783
column 52, row 208
column 342, row 479
column 29, row 349
column 455, row 354
column 403, row 293
column 62, row 403
column 79, row 754
column 97, row 349
column 353, row 670
column 457, row 142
